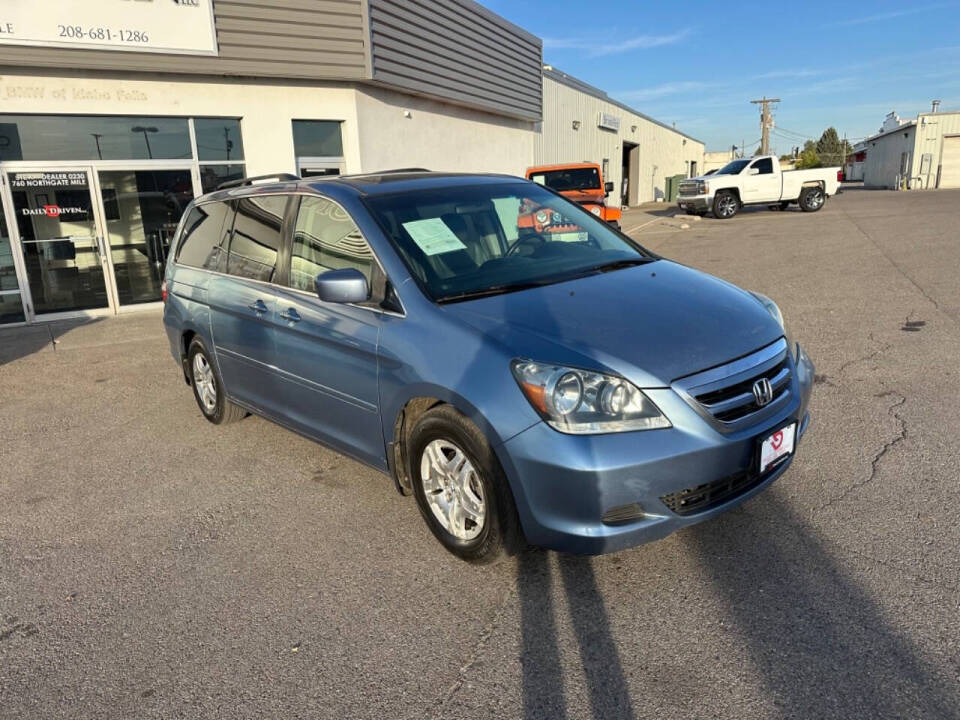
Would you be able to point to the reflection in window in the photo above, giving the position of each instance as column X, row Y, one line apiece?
column 142, row 209
column 325, row 238
column 83, row 137
column 11, row 308
column 317, row 138
column 205, row 235
column 256, row 237
column 218, row 139
column 212, row 176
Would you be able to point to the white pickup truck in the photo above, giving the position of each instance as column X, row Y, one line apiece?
column 757, row 181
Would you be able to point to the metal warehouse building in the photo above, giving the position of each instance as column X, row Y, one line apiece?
column 114, row 116
column 582, row 123
column 918, row 154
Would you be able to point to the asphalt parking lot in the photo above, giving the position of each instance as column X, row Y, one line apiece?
column 154, row 565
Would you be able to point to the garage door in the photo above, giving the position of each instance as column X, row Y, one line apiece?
column 950, row 162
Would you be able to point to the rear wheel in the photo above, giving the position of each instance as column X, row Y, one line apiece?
column 725, row 205
column 461, row 490
column 208, row 387
column 812, row 199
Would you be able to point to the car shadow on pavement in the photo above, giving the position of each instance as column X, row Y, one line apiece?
column 543, row 687
column 822, row 645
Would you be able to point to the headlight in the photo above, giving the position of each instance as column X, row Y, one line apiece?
column 596, row 211
column 581, row 402
column 542, row 217
column 703, row 187
column 772, row 308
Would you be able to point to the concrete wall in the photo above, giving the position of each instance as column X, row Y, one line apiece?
column 437, row 136
column 884, row 155
column 716, row 159
column 662, row 152
column 930, row 129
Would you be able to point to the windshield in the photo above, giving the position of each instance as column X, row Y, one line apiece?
column 569, row 179
column 733, row 168
column 471, row 241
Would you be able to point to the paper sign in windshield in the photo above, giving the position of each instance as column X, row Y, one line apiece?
column 433, row 236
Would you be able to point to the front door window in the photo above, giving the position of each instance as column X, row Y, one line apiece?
column 62, row 252
column 141, row 210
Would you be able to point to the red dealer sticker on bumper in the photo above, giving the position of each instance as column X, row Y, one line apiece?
column 777, row 446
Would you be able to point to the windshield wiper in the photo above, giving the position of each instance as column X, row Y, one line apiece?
column 620, row 264
column 494, row 290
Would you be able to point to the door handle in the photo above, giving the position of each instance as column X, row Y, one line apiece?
column 291, row 315
column 258, row 307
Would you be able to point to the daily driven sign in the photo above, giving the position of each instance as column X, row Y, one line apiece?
column 159, row 26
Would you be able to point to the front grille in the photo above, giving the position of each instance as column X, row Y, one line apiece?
column 737, row 401
column 688, row 188
column 709, row 495
column 724, row 395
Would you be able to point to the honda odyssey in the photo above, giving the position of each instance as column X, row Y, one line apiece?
column 551, row 382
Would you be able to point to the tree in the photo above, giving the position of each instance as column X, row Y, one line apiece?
column 809, row 158
column 831, row 149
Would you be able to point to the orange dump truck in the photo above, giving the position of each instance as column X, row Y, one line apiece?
column 581, row 182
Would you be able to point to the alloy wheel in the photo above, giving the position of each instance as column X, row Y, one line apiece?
column 453, row 489
column 205, row 382
column 726, row 205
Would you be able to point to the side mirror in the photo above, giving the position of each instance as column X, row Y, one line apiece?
column 608, row 187
column 753, row 171
column 347, row 285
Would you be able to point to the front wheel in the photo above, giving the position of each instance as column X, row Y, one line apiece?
column 812, row 199
column 725, row 205
column 460, row 489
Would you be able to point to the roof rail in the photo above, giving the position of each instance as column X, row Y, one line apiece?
column 399, row 170
column 280, row 177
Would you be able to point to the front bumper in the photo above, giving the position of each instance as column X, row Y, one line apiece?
column 565, row 484
column 697, row 203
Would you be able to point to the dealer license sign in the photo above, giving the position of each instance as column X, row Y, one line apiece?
column 155, row 26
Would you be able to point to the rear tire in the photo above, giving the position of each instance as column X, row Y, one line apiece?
column 452, row 466
column 208, row 387
column 725, row 205
column 812, row 199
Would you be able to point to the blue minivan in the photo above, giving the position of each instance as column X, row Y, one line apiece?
column 525, row 371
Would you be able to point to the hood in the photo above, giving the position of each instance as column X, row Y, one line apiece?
column 650, row 323
column 594, row 195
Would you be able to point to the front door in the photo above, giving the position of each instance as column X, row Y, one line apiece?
column 59, row 231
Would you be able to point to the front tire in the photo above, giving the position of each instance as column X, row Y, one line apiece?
column 208, row 387
column 460, row 488
column 725, row 205
column 812, row 199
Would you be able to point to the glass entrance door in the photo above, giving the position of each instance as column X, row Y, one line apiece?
column 56, row 219
column 141, row 210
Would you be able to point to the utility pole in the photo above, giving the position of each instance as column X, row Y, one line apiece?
column 766, row 122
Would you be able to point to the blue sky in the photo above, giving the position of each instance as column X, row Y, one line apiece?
column 698, row 64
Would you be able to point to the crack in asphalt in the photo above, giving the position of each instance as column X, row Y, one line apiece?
column 899, row 269
column 878, row 457
column 479, row 649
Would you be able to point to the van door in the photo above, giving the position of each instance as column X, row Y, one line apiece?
column 764, row 186
column 327, row 352
column 242, row 304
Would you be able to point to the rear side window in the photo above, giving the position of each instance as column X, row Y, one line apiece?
column 204, row 232
column 326, row 238
column 256, row 237
column 765, row 166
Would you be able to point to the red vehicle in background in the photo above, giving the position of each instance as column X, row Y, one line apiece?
column 580, row 182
